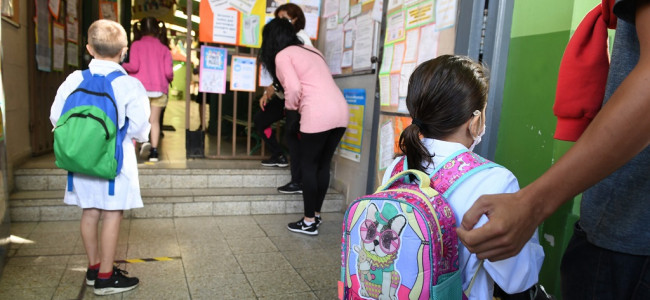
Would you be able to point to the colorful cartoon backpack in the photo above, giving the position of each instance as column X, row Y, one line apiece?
column 86, row 137
column 401, row 242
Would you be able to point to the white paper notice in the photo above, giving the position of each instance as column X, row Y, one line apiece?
column 405, row 75
column 330, row 7
column 265, row 77
column 344, row 8
column 386, row 60
column 445, row 13
column 311, row 25
column 217, row 5
column 412, row 43
column 58, row 47
column 245, row 6
column 243, row 73
column 355, row 10
column 334, row 49
column 386, row 141
column 363, row 43
column 395, row 27
column 73, row 54
column 384, row 90
column 349, row 39
column 225, row 27
column 428, row 47
column 398, row 56
column 347, row 59
column 332, row 21
column 350, row 24
column 392, row 4
column 377, row 8
column 394, row 89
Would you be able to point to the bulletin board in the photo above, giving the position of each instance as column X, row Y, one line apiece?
column 415, row 31
column 351, row 35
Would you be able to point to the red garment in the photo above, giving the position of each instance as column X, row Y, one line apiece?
column 583, row 73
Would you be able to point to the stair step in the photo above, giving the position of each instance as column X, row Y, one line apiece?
column 48, row 205
column 39, row 179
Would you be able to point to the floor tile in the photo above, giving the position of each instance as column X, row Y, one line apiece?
column 251, row 245
column 276, row 282
column 221, row 286
column 160, row 287
column 23, row 293
column 31, row 276
column 205, row 265
column 260, row 262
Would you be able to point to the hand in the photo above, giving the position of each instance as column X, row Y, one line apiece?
column 512, row 222
column 263, row 101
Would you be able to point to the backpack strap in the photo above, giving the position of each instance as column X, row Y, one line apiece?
column 452, row 171
column 456, row 169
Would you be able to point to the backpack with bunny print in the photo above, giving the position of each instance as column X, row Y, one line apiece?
column 401, row 242
column 87, row 139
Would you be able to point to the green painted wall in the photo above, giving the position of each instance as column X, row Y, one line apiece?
column 540, row 33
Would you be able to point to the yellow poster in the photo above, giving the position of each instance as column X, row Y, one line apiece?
column 351, row 141
column 251, row 25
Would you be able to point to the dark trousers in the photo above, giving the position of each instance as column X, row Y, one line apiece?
column 317, row 152
column 273, row 112
column 591, row 272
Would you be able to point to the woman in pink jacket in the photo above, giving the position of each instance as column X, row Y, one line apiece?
column 310, row 89
column 150, row 61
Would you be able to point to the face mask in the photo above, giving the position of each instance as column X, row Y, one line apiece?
column 477, row 139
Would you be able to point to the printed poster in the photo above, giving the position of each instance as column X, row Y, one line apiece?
column 243, row 72
column 386, row 153
column 58, row 47
column 72, row 22
column 445, row 13
column 421, row 14
column 212, row 71
column 224, row 27
column 351, row 141
column 73, row 54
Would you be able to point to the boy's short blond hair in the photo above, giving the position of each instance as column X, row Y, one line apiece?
column 107, row 38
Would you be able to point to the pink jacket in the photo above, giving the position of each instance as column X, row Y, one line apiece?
column 150, row 62
column 309, row 88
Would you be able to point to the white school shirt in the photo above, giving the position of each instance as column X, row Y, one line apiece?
column 130, row 97
column 304, row 37
column 514, row 274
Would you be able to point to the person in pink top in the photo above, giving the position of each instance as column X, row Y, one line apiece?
column 150, row 61
column 310, row 89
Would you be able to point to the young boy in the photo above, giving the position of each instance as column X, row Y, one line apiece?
column 107, row 44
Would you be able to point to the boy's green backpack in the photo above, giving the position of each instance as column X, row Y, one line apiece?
column 87, row 139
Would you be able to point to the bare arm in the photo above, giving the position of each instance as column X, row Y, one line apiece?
column 618, row 133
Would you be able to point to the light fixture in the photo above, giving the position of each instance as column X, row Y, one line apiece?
column 182, row 15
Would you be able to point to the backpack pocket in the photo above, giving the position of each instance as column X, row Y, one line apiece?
column 84, row 142
column 449, row 287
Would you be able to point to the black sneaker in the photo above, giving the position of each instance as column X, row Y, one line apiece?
column 153, row 155
column 318, row 221
column 118, row 283
column 291, row 188
column 276, row 161
column 300, row 227
column 91, row 275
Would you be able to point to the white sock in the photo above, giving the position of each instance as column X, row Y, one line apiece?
column 307, row 222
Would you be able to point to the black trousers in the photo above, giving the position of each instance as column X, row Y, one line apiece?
column 317, row 152
column 273, row 112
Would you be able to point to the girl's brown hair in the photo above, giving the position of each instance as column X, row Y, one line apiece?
column 295, row 12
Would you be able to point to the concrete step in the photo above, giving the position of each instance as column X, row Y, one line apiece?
column 47, row 205
column 52, row 179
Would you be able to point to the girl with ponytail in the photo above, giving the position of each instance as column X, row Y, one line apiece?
column 150, row 61
column 446, row 100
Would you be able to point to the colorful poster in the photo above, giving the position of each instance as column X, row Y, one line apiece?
column 421, row 14
column 395, row 27
column 351, row 141
column 243, row 72
column 212, row 71
column 251, row 26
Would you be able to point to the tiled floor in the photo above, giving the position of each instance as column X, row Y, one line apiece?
column 237, row 257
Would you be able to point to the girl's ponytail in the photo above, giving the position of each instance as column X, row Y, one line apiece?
column 162, row 33
column 410, row 144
